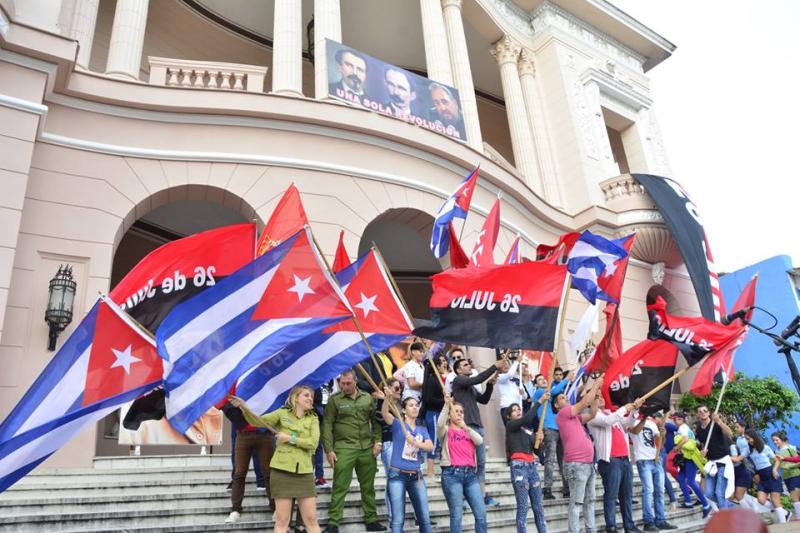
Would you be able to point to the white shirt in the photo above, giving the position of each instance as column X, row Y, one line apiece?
column 448, row 382
column 507, row 388
column 644, row 442
column 600, row 428
column 413, row 369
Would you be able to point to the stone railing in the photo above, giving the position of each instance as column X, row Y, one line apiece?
column 621, row 188
column 206, row 75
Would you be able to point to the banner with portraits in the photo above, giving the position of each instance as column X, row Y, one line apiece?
column 363, row 81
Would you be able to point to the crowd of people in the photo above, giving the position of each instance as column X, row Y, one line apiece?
column 426, row 412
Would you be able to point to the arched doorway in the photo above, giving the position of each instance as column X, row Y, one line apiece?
column 188, row 210
column 403, row 236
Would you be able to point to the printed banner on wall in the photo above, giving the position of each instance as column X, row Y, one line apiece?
column 363, row 81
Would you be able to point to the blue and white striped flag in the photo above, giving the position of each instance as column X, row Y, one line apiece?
column 320, row 357
column 211, row 340
column 591, row 257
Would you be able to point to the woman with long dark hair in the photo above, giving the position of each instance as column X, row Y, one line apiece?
column 433, row 401
column 403, row 476
column 789, row 471
column 769, row 481
column 525, row 479
column 292, row 469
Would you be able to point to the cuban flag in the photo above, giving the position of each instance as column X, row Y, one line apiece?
column 591, row 258
column 318, row 358
column 575, row 386
column 211, row 340
column 515, row 253
column 106, row 362
column 456, row 206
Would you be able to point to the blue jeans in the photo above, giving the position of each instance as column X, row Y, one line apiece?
column 617, row 477
column 715, row 487
column 527, row 486
column 480, row 455
column 256, row 463
column 386, row 459
column 430, row 424
column 670, row 490
column 652, row 477
column 687, row 479
column 400, row 483
column 458, row 483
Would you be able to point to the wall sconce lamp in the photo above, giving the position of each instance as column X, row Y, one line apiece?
column 60, row 301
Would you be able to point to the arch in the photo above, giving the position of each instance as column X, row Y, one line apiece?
column 185, row 193
column 403, row 235
column 673, row 307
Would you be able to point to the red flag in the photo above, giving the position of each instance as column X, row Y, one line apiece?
column 613, row 276
column 558, row 253
column 288, row 218
column 181, row 269
column 483, row 253
column 695, row 337
column 341, row 260
column 610, row 346
column 301, row 286
column 121, row 358
column 722, row 360
column 458, row 258
column 638, row 371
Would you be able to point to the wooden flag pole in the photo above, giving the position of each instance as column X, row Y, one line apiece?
column 664, row 383
column 395, row 410
column 552, row 369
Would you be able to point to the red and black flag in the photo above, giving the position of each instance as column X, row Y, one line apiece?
column 180, row 269
column 638, row 371
column 719, row 365
column 505, row 306
column 558, row 252
column 695, row 337
column 458, row 257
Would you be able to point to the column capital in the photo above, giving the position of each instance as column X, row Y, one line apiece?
column 451, row 3
column 505, row 51
column 526, row 65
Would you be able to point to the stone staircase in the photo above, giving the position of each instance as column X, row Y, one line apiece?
column 187, row 493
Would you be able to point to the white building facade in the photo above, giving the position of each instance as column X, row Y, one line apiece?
column 125, row 124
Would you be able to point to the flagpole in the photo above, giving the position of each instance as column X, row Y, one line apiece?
column 664, row 383
column 125, row 316
column 719, row 400
column 552, row 369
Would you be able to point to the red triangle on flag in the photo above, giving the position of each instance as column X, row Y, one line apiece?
column 288, row 218
column 374, row 301
column 341, row 260
column 458, row 258
column 301, row 287
column 122, row 358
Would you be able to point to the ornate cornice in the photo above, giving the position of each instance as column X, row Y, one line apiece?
column 451, row 3
column 550, row 15
column 505, row 50
column 509, row 16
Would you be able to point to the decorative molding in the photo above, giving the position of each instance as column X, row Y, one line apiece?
column 275, row 161
column 551, row 15
column 639, row 216
column 508, row 16
column 5, row 24
column 23, row 105
column 616, row 89
column 506, row 50
column 526, row 65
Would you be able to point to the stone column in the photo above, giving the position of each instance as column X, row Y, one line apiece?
column 462, row 73
column 506, row 52
column 327, row 24
column 538, row 126
column 127, row 39
column 437, row 55
column 287, row 49
column 82, row 29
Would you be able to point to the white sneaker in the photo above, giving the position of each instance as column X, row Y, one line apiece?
column 233, row 517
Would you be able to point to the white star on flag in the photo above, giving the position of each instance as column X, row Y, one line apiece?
column 301, row 287
column 124, row 359
column 609, row 271
column 367, row 304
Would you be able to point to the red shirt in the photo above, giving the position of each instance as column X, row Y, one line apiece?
column 619, row 444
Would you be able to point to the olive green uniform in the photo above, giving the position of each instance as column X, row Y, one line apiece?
column 350, row 429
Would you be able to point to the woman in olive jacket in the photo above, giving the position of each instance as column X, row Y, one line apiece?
column 296, row 429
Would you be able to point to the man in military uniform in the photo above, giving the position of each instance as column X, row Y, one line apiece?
column 351, row 437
